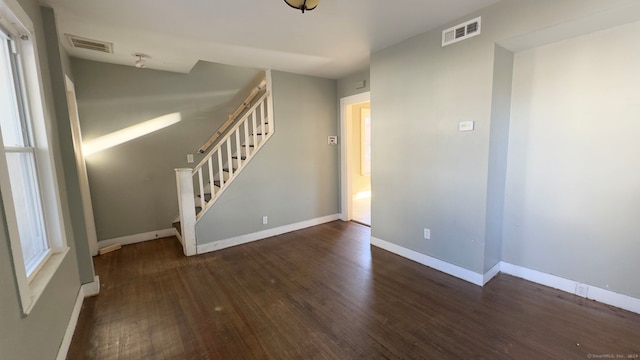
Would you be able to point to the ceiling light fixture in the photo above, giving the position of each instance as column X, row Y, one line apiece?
column 303, row 4
column 141, row 63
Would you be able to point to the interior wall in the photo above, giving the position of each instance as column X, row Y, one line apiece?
column 60, row 66
column 295, row 176
column 349, row 85
column 133, row 186
column 498, row 150
column 38, row 335
column 427, row 174
column 573, row 190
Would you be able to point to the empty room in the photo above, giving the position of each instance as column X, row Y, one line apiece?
column 297, row 179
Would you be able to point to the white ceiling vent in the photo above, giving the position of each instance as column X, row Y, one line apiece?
column 461, row 32
column 89, row 44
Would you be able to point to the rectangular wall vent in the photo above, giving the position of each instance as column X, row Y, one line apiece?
column 89, row 44
column 461, row 32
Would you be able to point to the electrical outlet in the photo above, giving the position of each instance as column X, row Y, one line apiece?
column 582, row 290
column 332, row 140
column 265, row 220
column 427, row 233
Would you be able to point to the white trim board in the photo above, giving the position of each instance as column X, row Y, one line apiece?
column 260, row 235
column 593, row 293
column 86, row 290
column 445, row 267
column 138, row 238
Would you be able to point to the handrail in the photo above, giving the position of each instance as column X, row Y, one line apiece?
column 200, row 188
column 205, row 159
column 245, row 104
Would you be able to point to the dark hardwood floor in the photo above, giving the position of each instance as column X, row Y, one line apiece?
column 324, row 293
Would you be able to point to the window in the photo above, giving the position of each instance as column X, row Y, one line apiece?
column 27, row 176
column 17, row 139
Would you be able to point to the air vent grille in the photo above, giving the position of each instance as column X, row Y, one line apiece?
column 461, row 32
column 90, row 44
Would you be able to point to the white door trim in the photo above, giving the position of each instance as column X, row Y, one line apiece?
column 345, row 165
column 83, row 179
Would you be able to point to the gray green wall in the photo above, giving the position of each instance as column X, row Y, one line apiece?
column 573, row 185
column 426, row 174
column 39, row 335
column 295, row 175
column 498, row 150
column 347, row 85
column 133, row 186
column 59, row 66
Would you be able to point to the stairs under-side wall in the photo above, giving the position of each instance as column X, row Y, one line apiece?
column 200, row 187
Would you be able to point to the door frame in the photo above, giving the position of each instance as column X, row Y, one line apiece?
column 83, row 178
column 346, row 167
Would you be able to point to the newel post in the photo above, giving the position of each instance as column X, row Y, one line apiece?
column 187, row 206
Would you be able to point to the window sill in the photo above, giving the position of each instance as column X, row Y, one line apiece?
column 42, row 278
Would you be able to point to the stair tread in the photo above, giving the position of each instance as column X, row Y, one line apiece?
column 241, row 158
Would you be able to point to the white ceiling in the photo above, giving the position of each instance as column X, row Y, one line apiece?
column 331, row 41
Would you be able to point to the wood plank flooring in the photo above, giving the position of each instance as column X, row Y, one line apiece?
column 324, row 293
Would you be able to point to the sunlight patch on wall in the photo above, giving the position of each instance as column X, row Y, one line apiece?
column 132, row 132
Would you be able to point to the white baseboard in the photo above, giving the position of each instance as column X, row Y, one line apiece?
column 243, row 239
column 138, row 238
column 86, row 290
column 495, row 270
column 594, row 293
column 445, row 267
column 92, row 288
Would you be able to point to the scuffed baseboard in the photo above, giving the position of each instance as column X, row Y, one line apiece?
column 138, row 238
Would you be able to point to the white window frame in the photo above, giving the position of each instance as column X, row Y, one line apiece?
column 15, row 21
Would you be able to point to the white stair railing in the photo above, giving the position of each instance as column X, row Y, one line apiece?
column 199, row 188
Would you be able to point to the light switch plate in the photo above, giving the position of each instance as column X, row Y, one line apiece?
column 189, row 158
column 466, row 126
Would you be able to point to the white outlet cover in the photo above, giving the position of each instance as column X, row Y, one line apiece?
column 582, row 290
column 189, row 158
column 427, row 234
column 332, row 140
column 265, row 220
column 466, row 126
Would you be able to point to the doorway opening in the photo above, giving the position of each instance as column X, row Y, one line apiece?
column 355, row 129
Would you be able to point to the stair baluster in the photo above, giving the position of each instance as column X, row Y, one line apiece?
column 210, row 177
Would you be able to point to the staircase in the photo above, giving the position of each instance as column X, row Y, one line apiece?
column 200, row 187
